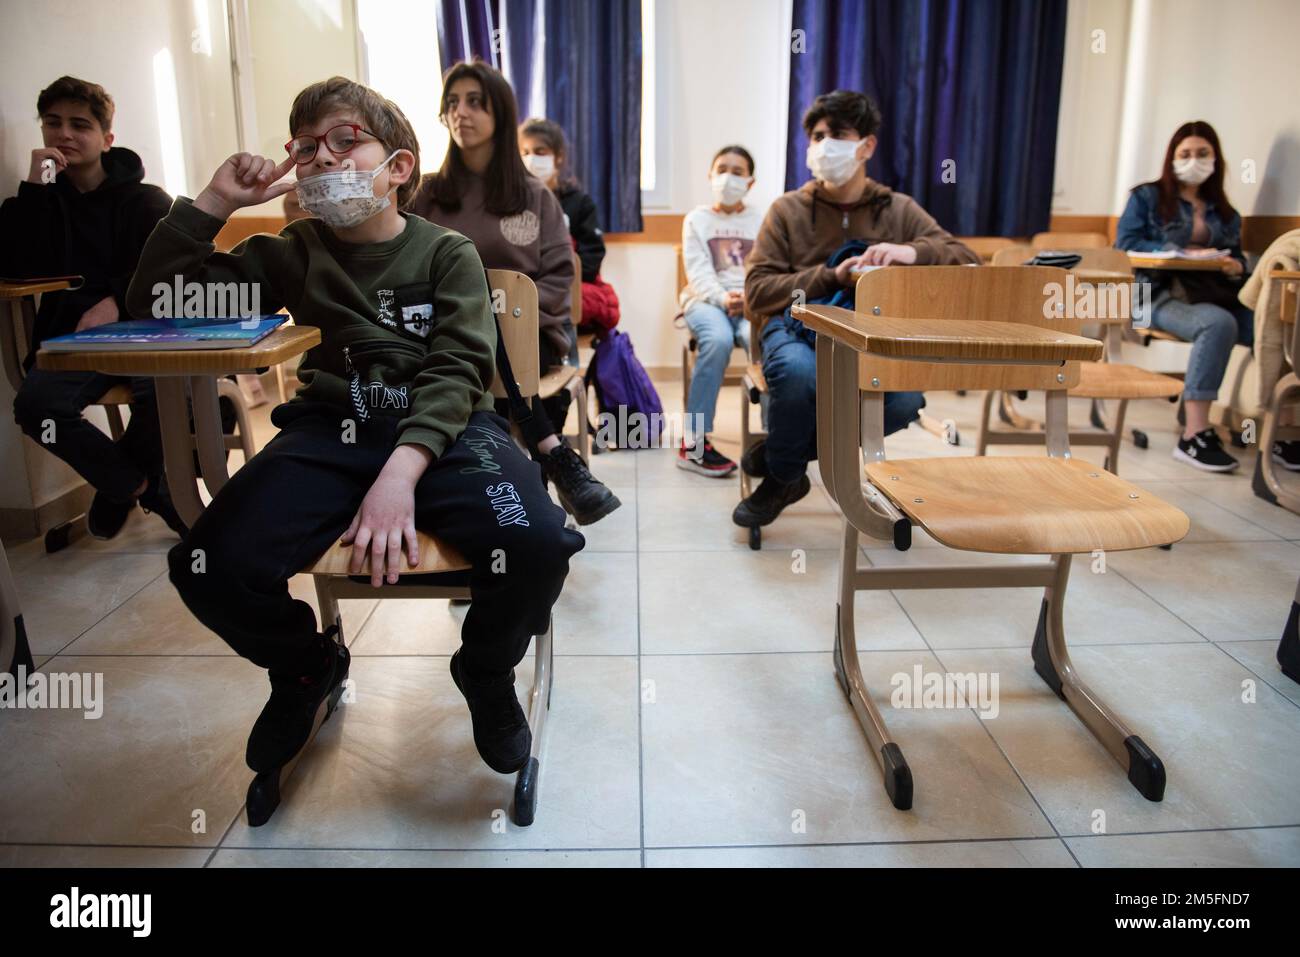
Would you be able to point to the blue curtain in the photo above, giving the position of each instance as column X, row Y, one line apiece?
column 590, row 63
column 465, row 29
column 975, row 82
column 593, row 90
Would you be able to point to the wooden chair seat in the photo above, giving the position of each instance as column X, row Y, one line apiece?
column 1117, row 380
column 1026, row 506
column 435, row 558
column 555, row 379
column 1153, row 333
column 117, row 395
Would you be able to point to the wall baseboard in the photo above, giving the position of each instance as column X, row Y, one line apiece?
column 21, row 524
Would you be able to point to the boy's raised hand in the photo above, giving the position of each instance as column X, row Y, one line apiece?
column 244, row 180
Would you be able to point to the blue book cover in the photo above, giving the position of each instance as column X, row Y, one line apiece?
column 164, row 334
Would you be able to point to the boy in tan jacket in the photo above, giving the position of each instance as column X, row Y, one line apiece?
column 803, row 228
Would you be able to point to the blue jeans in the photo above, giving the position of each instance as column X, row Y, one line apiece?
column 790, row 367
column 1213, row 331
column 715, row 334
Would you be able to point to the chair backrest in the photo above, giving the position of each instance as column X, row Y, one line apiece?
column 681, row 269
column 514, row 300
column 1105, row 257
column 575, row 293
column 986, row 247
column 1069, row 241
column 955, row 292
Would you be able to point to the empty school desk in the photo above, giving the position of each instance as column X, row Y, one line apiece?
column 201, row 368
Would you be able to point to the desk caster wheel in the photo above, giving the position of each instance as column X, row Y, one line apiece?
column 1140, row 439
column 755, row 539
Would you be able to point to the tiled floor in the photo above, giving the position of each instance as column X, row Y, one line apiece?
column 695, row 719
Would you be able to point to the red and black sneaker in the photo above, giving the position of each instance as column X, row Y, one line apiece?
column 703, row 458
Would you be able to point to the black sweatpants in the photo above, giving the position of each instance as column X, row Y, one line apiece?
column 114, row 468
column 297, row 496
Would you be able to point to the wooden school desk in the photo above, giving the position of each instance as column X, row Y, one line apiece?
column 1185, row 265
column 201, row 368
column 21, row 300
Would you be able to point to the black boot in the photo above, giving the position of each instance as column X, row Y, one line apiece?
column 582, row 496
column 156, row 498
column 285, row 724
column 769, row 500
column 107, row 516
column 501, row 731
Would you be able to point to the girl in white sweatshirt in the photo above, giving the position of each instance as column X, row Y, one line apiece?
column 716, row 240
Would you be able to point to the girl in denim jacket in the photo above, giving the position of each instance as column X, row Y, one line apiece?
column 1187, row 209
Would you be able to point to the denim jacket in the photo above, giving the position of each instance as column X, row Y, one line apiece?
column 1141, row 229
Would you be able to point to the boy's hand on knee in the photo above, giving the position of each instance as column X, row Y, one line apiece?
column 386, row 517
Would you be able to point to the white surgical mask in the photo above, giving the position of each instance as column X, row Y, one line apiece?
column 543, row 167
column 343, row 198
column 728, row 188
column 1194, row 170
column 833, row 161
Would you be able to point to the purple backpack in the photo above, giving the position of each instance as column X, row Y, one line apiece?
column 620, row 380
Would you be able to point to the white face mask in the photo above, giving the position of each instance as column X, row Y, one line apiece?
column 833, row 161
column 728, row 188
column 343, row 198
column 543, row 167
column 1194, row 170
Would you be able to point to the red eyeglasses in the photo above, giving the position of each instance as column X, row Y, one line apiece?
column 339, row 140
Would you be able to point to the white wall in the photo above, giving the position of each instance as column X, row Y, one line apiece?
column 726, row 63
column 1166, row 62
column 113, row 43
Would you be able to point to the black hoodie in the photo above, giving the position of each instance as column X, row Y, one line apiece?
column 580, row 210
column 54, row 230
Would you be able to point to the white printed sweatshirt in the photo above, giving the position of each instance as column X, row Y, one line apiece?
column 714, row 248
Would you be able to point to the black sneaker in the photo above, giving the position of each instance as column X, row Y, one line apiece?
column 107, row 516
column 768, row 501
column 582, row 496
column 1287, row 455
column 703, row 458
column 157, row 499
column 501, row 731
column 296, row 703
column 1204, row 450
column 754, row 461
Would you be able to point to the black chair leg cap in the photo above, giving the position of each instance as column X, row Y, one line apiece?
column 1146, row 772
column 898, row 777
column 525, row 808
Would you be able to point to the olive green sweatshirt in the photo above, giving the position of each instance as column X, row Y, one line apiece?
column 406, row 324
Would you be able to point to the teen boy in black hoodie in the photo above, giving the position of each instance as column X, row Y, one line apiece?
column 392, row 430
column 85, row 210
